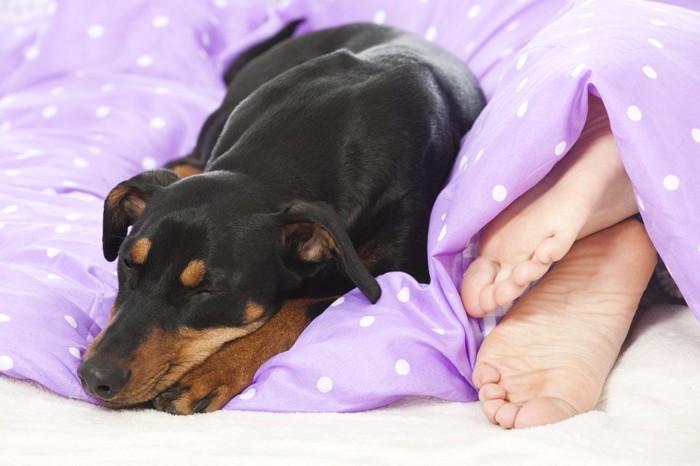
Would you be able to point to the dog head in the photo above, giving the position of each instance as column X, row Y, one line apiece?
column 207, row 260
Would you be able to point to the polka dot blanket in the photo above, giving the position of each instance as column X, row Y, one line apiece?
column 94, row 92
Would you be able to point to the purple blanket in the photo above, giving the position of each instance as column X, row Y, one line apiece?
column 98, row 91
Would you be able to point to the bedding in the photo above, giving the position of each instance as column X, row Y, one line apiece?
column 93, row 93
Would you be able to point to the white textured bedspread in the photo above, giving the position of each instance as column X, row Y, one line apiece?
column 649, row 414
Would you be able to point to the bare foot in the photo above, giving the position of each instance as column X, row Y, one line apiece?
column 587, row 191
column 548, row 359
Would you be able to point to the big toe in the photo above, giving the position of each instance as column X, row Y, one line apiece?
column 543, row 411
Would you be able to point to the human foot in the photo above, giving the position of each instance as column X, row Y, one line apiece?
column 586, row 192
column 548, row 359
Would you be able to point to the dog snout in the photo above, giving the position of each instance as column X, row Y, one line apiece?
column 102, row 378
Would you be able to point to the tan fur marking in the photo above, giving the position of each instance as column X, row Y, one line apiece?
column 115, row 196
column 253, row 312
column 164, row 357
column 184, row 170
column 139, row 252
column 193, row 274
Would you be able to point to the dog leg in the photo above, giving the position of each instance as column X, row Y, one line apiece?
column 230, row 370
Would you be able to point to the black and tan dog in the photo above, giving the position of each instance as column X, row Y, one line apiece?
column 319, row 172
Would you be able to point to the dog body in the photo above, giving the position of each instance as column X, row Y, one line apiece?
column 320, row 170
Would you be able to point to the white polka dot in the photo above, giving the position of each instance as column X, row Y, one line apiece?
column 149, row 163
column 221, row 3
column 443, row 217
column 5, row 127
column 366, row 321
column 5, row 363
column 474, row 11
column 431, row 34
column 82, row 163
column 51, row 8
column 499, row 193
column 658, row 22
column 521, row 84
column 324, row 384
column 157, row 122
column 404, row 295
column 507, row 52
column 582, row 49
column 478, row 155
column 49, row 191
column 108, row 87
column 52, row 252
column 640, row 203
column 650, row 72
column 63, row 228
column 4, row 318
column 30, row 53
column 561, row 147
column 161, row 21
column 633, row 113
column 57, row 90
column 695, row 133
column 443, row 233
column 49, row 111
column 656, row 43
column 438, row 330
column 463, row 162
column 53, row 276
column 10, row 209
column 161, row 90
column 71, row 321
column 522, row 109
column 74, row 351
column 469, row 47
column 338, row 301
column 577, row 71
column 12, row 173
column 379, row 17
column 513, row 26
column 96, row 31
column 582, row 31
column 521, row 62
column 69, row 183
column 248, row 394
column 671, row 182
column 144, row 61
column 102, row 111
column 402, row 367
column 73, row 217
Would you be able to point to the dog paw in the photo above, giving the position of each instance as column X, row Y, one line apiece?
column 198, row 391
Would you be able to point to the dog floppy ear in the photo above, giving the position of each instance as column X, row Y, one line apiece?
column 125, row 203
column 313, row 233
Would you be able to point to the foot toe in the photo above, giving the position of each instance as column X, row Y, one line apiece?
column 506, row 415
column 492, row 391
column 490, row 408
column 508, row 291
column 553, row 248
column 480, row 274
column 485, row 374
column 543, row 411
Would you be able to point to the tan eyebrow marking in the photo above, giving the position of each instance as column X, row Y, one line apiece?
column 139, row 252
column 253, row 312
column 193, row 274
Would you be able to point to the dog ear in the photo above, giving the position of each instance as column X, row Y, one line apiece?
column 125, row 203
column 313, row 233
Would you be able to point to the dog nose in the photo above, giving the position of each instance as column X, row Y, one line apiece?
column 103, row 379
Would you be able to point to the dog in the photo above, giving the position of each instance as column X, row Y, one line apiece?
column 315, row 175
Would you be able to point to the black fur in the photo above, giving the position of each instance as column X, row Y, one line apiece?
column 322, row 165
